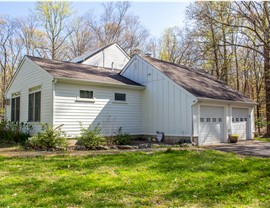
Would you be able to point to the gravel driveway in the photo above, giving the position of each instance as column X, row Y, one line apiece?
column 250, row 147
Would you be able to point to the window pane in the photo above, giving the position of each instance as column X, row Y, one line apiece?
column 208, row 120
column 120, row 96
column 13, row 109
column 202, row 119
column 17, row 109
column 37, row 106
column 219, row 119
column 214, row 120
column 86, row 94
column 31, row 107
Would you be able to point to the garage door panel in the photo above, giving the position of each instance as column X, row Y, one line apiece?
column 240, row 122
column 211, row 124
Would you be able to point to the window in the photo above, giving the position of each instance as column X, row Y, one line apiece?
column 208, row 120
column 219, row 119
column 232, row 119
column 34, row 107
column 237, row 119
column 86, row 94
column 120, row 96
column 214, row 120
column 15, row 109
column 241, row 119
column 202, row 119
column 245, row 119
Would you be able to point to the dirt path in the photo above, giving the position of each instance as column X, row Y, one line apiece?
column 17, row 152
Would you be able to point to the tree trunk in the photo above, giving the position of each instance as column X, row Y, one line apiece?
column 267, row 86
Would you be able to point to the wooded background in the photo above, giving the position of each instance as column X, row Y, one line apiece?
column 228, row 39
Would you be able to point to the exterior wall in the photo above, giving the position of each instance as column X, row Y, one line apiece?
column 166, row 106
column 227, row 118
column 106, row 57
column 68, row 110
column 31, row 75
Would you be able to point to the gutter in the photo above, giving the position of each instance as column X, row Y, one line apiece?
column 227, row 101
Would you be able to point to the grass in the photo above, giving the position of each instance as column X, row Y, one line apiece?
column 263, row 139
column 162, row 179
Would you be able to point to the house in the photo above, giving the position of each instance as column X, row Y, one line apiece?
column 109, row 56
column 146, row 96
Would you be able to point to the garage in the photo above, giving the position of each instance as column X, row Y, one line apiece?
column 211, row 124
column 240, row 122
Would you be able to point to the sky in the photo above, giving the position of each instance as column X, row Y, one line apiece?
column 155, row 16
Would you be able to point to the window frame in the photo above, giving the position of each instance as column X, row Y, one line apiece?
column 81, row 99
column 15, row 113
column 34, row 109
column 120, row 93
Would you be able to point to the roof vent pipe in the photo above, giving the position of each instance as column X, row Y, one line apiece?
column 148, row 54
column 112, row 66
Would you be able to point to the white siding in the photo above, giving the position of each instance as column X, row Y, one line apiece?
column 105, row 58
column 30, row 75
column 166, row 105
column 108, row 114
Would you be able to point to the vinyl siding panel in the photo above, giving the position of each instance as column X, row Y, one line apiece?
column 28, row 76
column 166, row 105
column 107, row 56
column 110, row 115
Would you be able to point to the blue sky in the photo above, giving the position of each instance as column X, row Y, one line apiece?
column 155, row 16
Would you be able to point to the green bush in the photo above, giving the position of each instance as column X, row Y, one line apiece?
column 51, row 138
column 14, row 132
column 91, row 137
column 122, row 138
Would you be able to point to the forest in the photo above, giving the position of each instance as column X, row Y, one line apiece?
column 227, row 39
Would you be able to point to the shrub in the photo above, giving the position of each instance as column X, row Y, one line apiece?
column 91, row 137
column 14, row 132
column 50, row 138
column 122, row 138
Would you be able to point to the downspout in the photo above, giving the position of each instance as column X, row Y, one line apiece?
column 54, row 81
column 103, row 58
column 192, row 124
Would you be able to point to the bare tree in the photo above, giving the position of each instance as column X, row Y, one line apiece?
column 114, row 25
column 10, row 52
column 53, row 16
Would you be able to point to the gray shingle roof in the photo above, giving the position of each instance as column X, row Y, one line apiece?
column 60, row 69
column 198, row 82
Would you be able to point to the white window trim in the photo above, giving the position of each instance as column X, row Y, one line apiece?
column 87, row 100
column 119, row 102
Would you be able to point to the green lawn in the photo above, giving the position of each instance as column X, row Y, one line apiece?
column 263, row 139
column 162, row 179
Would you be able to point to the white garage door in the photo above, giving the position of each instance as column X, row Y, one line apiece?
column 211, row 125
column 240, row 122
